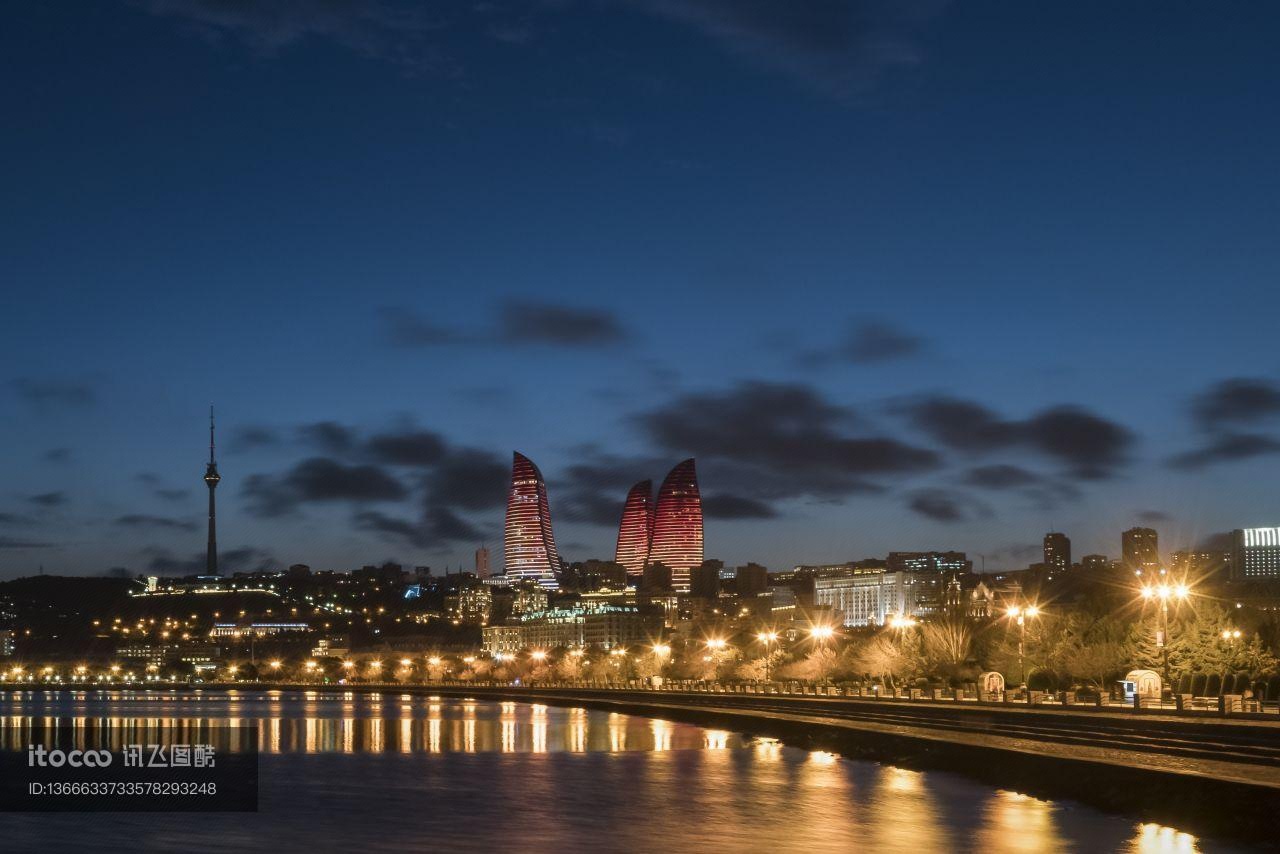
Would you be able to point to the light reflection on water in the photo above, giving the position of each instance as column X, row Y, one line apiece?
column 392, row 771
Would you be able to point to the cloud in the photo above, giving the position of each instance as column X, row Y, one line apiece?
column 252, row 436
column 839, row 47
column 155, row 483
column 721, row 506
column 1225, row 448
column 469, row 478
column 1153, row 516
column 369, row 27
column 57, row 455
column 12, row 543
column 867, row 342
column 528, row 322
column 329, row 436
column 320, row 479
column 780, row 440
column 17, row 519
column 1090, row 447
column 1000, row 477
column 138, row 520
column 49, row 499
column 1236, row 401
column 439, row 527
column 414, row 448
column 938, row 504
column 55, row 393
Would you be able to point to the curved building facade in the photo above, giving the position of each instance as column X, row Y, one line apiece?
column 635, row 533
column 529, row 545
column 677, row 525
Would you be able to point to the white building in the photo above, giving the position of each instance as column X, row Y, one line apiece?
column 868, row 597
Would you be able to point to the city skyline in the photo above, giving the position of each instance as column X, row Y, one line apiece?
column 873, row 297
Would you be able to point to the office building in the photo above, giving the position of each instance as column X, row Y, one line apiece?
column 1255, row 554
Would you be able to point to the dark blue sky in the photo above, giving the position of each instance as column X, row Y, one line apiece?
column 900, row 276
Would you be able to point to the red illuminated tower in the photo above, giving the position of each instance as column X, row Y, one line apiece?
column 635, row 534
column 677, row 525
column 530, row 547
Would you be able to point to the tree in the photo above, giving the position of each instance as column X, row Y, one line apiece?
column 948, row 645
column 890, row 658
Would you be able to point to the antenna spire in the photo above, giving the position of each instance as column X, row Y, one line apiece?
column 211, row 433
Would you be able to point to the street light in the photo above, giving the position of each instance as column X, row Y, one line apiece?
column 1164, row 593
column 1020, row 614
column 538, row 655
column 716, row 643
column 767, row 638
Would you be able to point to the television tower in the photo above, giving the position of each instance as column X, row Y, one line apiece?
column 211, row 477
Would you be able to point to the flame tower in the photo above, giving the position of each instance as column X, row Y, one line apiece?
column 635, row 533
column 530, row 547
column 677, row 525
column 211, row 478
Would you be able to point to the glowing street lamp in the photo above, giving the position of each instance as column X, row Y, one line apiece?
column 768, row 637
column 661, row 650
column 716, row 643
column 901, row 621
column 1020, row 614
column 539, row 655
column 1164, row 593
column 822, row 634
column 1230, row 635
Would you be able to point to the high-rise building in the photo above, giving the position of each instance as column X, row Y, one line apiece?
column 529, row 547
column 752, row 579
column 635, row 533
column 482, row 562
column 211, row 478
column 1057, row 554
column 1255, row 554
column 1140, row 550
column 677, row 525
column 944, row 562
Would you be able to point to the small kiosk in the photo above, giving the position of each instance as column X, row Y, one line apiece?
column 1141, row 683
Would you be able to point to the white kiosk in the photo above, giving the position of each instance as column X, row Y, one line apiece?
column 1141, row 683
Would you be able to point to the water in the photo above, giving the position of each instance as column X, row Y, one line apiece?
column 395, row 772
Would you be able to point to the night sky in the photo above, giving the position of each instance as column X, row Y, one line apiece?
column 899, row 275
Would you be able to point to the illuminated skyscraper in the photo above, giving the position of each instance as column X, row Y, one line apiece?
column 530, row 547
column 677, row 525
column 635, row 533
